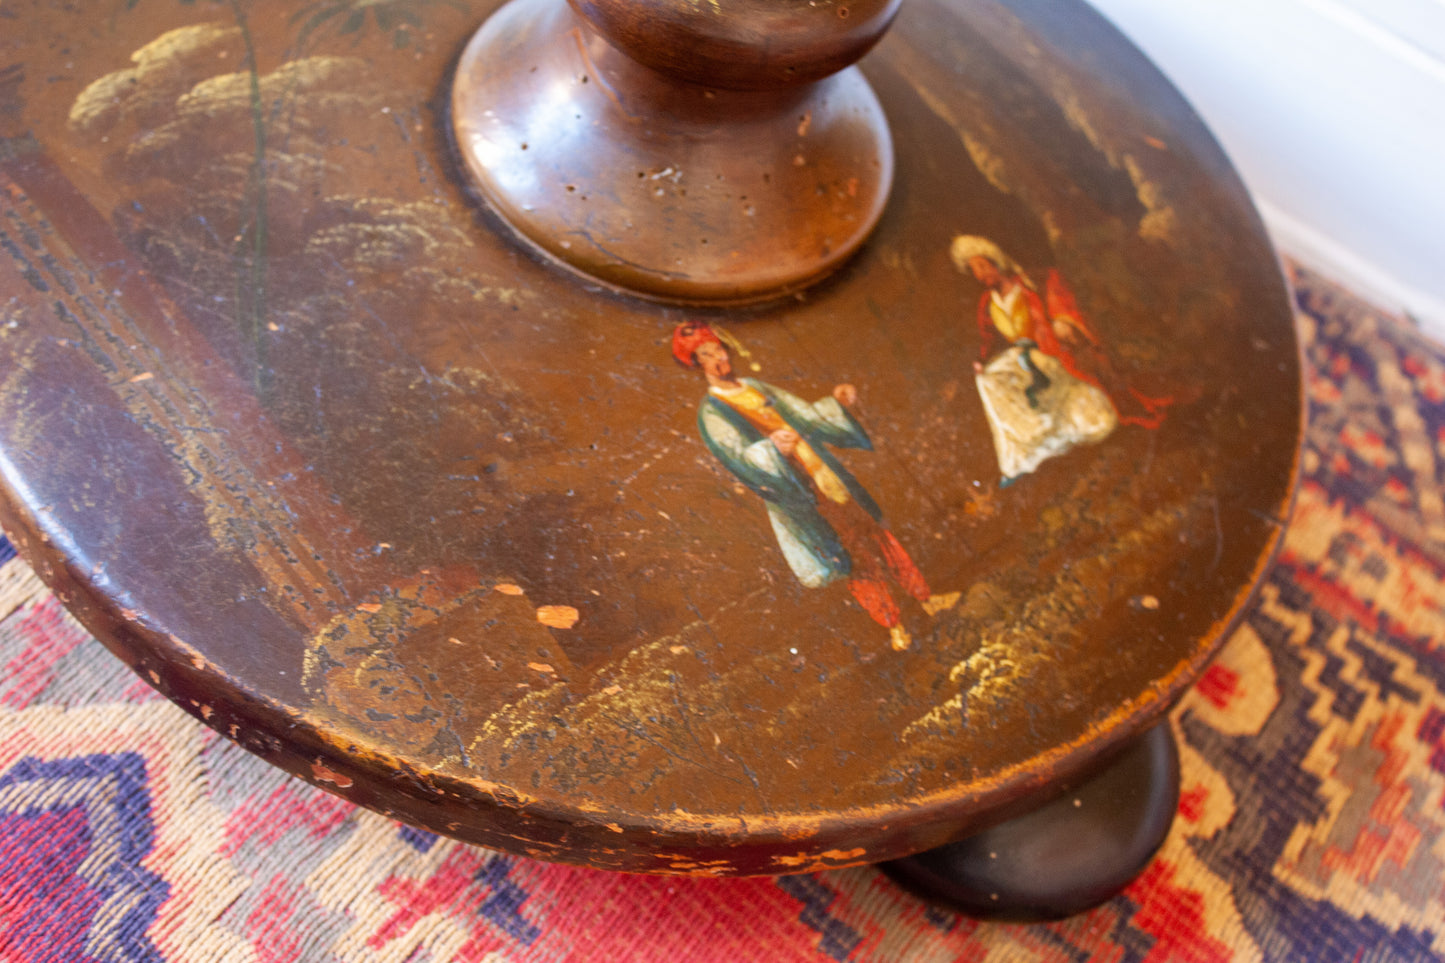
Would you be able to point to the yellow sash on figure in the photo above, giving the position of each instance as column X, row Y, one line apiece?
column 753, row 405
column 1010, row 314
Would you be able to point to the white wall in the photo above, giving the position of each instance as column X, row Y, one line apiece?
column 1334, row 113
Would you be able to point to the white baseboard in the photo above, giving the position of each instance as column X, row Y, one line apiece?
column 1314, row 250
column 1334, row 113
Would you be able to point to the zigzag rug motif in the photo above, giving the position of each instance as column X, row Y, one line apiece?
column 1311, row 823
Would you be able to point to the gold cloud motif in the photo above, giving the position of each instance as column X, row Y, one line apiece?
column 158, row 66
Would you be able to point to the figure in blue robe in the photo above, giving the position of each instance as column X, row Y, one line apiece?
column 808, row 542
column 827, row 525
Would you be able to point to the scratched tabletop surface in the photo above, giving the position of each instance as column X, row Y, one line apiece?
column 295, row 426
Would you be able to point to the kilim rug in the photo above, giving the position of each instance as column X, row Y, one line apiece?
column 1311, row 826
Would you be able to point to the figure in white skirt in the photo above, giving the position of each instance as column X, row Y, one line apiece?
column 1040, row 402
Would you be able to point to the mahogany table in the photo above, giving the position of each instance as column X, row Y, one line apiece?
column 511, row 459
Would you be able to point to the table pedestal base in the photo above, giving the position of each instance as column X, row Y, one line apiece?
column 1066, row 856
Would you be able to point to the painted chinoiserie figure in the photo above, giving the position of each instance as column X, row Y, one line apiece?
column 1052, row 388
column 827, row 525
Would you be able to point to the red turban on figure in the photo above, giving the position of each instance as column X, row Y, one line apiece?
column 688, row 337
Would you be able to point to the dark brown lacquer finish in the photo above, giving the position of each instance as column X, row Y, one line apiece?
column 296, row 425
column 689, row 152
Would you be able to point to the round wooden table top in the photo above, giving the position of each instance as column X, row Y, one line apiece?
column 294, row 424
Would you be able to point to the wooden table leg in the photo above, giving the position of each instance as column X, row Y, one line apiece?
column 1070, row 854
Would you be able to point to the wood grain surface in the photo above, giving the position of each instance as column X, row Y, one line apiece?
column 312, row 443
